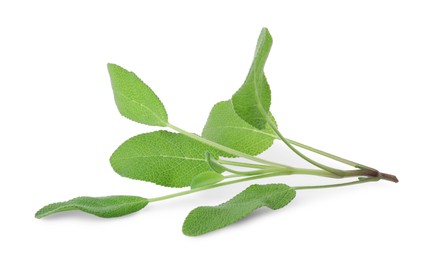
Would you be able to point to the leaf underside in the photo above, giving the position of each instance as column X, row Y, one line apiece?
column 225, row 127
column 105, row 207
column 161, row 157
column 254, row 97
column 134, row 99
column 206, row 219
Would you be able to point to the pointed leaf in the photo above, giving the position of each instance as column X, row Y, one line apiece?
column 206, row 219
column 254, row 95
column 161, row 157
column 206, row 178
column 213, row 164
column 225, row 127
column 105, row 207
column 134, row 99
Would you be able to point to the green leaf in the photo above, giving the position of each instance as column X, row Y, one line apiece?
column 206, row 219
column 254, row 97
column 225, row 127
column 161, row 157
column 105, row 207
column 206, row 178
column 134, row 99
column 213, row 164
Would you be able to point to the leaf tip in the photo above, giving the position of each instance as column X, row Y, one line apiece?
column 265, row 30
column 113, row 69
column 112, row 66
column 190, row 226
column 45, row 210
column 266, row 33
column 38, row 215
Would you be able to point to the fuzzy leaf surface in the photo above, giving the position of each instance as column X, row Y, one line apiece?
column 225, row 127
column 255, row 91
column 161, row 157
column 134, row 99
column 105, row 207
column 206, row 219
column 206, row 178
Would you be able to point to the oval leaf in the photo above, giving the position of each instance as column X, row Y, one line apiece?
column 254, row 95
column 206, row 178
column 225, row 127
column 105, row 207
column 161, row 157
column 134, row 99
column 206, row 219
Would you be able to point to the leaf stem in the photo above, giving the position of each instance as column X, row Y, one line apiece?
column 224, row 148
column 306, row 158
column 214, row 186
column 316, row 172
column 362, row 180
column 328, row 155
column 276, row 130
column 362, row 169
column 262, row 171
column 242, row 164
column 328, row 171
column 178, row 194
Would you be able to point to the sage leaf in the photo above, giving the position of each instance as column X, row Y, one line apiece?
column 206, row 219
column 254, row 97
column 134, row 99
column 225, row 127
column 206, row 178
column 161, row 157
column 105, row 207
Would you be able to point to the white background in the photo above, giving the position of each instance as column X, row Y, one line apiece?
column 349, row 77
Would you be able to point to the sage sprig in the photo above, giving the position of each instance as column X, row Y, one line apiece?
column 242, row 126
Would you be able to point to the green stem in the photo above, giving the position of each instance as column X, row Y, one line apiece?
column 328, row 155
column 316, row 172
column 362, row 169
column 214, row 186
column 248, row 173
column 306, row 158
column 178, row 194
column 242, row 164
column 268, row 169
column 275, row 129
column 233, row 176
column 333, row 173
column 288, row 142
column 363, row 180
column 223, row 148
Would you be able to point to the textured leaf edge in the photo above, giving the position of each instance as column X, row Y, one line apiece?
column 90, row 205
column 117, row 156
column 242, row 124
column 200, row 215
column 159, row 118
column 255, row 91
